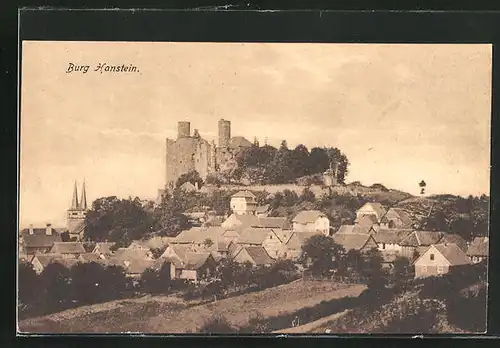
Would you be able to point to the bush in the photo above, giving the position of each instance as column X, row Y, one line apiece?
column 217, row 324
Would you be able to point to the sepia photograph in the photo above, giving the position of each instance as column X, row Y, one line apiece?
column 253, row 188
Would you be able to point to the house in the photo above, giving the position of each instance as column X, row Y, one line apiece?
column 256, row 255
column 195, row 266
column 439, row 259
column 456, row 239
column 356, row 229
column 478, row 249
column 311, row 221
column 244, row 203
column 295, row 243
column 272, row 240
column 396, row 218
column 127, row 254
column 366, row 221
column 38, row 240
column 40, row 262
column 156, row 242
column 134, row 268
column 90, row 257
column 262, row 210
column 389, row 240
column 238, row 222
column 351, row 241
column 205, row 239
column 176, row 251
column 68, row 249
column 375, row 209
column 103, row 248
column 418, row 241
column 272, row 222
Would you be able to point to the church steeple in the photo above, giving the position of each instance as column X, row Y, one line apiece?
column 83, row 201
column 74, row 201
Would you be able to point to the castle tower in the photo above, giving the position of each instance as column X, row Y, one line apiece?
column 76, row 214
column 183, row 129
column 224, row 132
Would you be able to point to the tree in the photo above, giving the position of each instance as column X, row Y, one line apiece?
column 325, row 255
column 318, row 160
column 192, row 176
column 402, row 272
column 112, row 219
column 55, row 288
column 308, row 195
column 372, row 270
column 27, row 287
column 88, row 280
column 299, row 161
column 422, row 186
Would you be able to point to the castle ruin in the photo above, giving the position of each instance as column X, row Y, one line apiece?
column 191, row 152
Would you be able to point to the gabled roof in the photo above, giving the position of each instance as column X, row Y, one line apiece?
column 68, row 248
column 366, row 220
column 239, row 142
column 422, row 238
column 352, row 241
column 252, row 235
column 89, row 257
column 271, row 222
column 377, row 207
column 39, row 238
column 258, row 254
column 46, row 259
column 401, row 213
column 139, row 266
column 243, row 220
column 391, row 236
column 450, row 252
column 103, row 248
column 179, row 249
column 353, row 229
column 244, row 194
column 194, row 261
column 308, row 216
column 262, row 209
column 199, row 235
column 297, row 239
column 187, row 186
column 131, row 254
column 157, row 242
column 479, row 247
column 456, row 239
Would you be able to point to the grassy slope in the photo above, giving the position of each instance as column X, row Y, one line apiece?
column 171, row 315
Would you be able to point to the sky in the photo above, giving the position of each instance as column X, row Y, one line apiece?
column 401, row 113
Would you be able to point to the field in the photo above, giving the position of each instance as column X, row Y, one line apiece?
column 162, row 314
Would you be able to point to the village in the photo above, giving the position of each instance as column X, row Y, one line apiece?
column 238, row 236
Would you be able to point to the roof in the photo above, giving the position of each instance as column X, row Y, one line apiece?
column 452, row 253
column 199, row 234
column 243, row 194
column 131, row 254
column 391, row 236
column 352, row 241
column 139, row 266
column 90, row 257
column 366, row 220
column 402, row 214
column 262, row 209
column 39, row 238
column 194, row 260
column 214, row 221
column 422, row 238
column 377, row 207
column 297, row 239
column 157, row 242
column 308, row 216
column 68, row 248
column 187, row 186
column 239, row 142
column 252, row 235
column 271, row 222
column 68, row 263
column 456, row 239
column 104, row 247
column 45, row 259
column 259, row 255
column 180, row 250
column 478, row 247
column 353, row 229
column 244, row 221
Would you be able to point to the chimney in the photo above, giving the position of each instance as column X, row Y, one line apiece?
column 48, row 230
column 31, row 229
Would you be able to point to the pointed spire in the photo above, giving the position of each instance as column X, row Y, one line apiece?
column 74, row 201
column 83, row 201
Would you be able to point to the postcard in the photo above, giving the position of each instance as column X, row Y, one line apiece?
column 256, row 188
